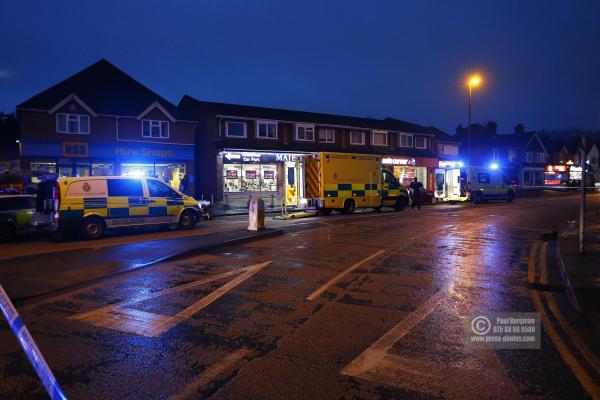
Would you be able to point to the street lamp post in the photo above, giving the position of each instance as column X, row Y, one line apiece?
column 474, row 81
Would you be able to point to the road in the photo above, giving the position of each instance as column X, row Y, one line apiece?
column 370, row 306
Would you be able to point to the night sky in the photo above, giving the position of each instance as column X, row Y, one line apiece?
column 406, row 59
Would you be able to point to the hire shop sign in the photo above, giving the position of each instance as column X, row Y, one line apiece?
column 143, row 152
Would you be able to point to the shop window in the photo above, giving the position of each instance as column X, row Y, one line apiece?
column 405, row 140
column 43, row 166
column 102, row 169
column 379, row 138
column 159, row 189
column 73, row 123
column 249, row 178
column 266, row 130
column 170, row 173
column 305, row 133
column 125, row 187
column 155, row 129
column 420, row 142
column 327, row 135
column 235, row 129
column 357, row 137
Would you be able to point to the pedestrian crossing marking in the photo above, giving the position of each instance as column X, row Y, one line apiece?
column 120, row 317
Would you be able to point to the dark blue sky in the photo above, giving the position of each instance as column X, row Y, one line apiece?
column 407, row 59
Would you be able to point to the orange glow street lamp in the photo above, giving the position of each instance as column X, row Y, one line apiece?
column 474, row 81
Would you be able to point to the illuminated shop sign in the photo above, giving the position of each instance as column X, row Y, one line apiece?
column 451, row 164
column 556, row 168
column 259, row 157
column 142, row 152
column 398, row 161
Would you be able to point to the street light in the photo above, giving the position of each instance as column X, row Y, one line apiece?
column 474, row 81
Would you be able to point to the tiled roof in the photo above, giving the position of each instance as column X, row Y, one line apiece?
column 106, row 90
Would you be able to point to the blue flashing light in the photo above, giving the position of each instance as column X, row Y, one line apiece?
column 494, row 166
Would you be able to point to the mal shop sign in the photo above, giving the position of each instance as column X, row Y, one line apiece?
column 259, row 157
column 250, row 174
column 231, row 174
column 143, row 152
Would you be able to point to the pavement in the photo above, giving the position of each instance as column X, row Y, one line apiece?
column 368, row 306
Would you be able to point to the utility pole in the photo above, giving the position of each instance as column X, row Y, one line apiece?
column 582, row 163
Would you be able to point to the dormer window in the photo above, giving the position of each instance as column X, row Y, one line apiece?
column 73, row 123
column 155, row 129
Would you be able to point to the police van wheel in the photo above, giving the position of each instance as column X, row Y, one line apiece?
column 478, row 198
column 434, row 200
column 325, row 211
column 187, row 220
column 510, row 196
column 348, row 207
column 92, row 228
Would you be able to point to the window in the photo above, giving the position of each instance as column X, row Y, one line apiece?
column 450, row 150
column 305, row 133
column 125, row 187
column 327, row 135
column 529, row 156
column 483, row 178
column 420, row 142
column 495, row 154
column 266, row 130
column 73, row 123
column 159, row 189
column 405, row 140
column 357, row 137
column 512, row 155
column 379, row 138
column 541, row 158
column 235, row 129
column 155, row 129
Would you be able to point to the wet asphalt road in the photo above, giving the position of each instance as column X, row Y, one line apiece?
column 291, row 316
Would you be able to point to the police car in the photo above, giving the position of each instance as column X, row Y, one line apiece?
column 90, row 205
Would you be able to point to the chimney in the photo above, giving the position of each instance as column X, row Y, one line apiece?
column 519, row 129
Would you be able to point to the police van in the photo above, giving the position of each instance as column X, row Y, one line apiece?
column 472, row 183
column 89, row 205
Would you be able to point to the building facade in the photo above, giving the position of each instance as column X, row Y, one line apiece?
column 101, row 121
column 246, row 150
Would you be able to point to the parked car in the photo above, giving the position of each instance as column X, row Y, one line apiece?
column 16, row 214
column 426, row 197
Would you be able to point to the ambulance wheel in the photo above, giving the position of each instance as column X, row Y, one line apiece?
column 510, row 196
column 187, row 220
column 325, row 211
column 349, row 207
column 433, row 200
column 400, row 204
column 92, row 228
column 478, row 198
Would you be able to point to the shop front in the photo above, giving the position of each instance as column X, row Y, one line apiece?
column 169, row 163
column 450, row 181
column 407, row 168
column 271, row 175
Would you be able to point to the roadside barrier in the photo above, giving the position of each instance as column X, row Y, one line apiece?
column 29, row 347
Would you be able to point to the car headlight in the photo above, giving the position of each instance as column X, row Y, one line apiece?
column 203, row 203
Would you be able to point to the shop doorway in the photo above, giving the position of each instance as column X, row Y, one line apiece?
column 294, row 183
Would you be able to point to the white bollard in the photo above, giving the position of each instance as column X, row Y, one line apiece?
column 256, row 214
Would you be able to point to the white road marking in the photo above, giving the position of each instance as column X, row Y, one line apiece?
column 334, row 280
column 117, row 316
column 210, row 374
column 377, row 351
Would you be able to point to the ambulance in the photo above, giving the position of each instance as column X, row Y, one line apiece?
column 344, row 182
column 455, row 182
column 90, row 205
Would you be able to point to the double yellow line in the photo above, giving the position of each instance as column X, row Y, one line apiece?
column 552, row 329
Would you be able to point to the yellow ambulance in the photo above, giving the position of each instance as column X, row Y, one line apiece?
column 89, row 205
column 344, row 182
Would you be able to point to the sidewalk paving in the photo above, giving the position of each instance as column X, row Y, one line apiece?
column 31, row 276
column 583, row 270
